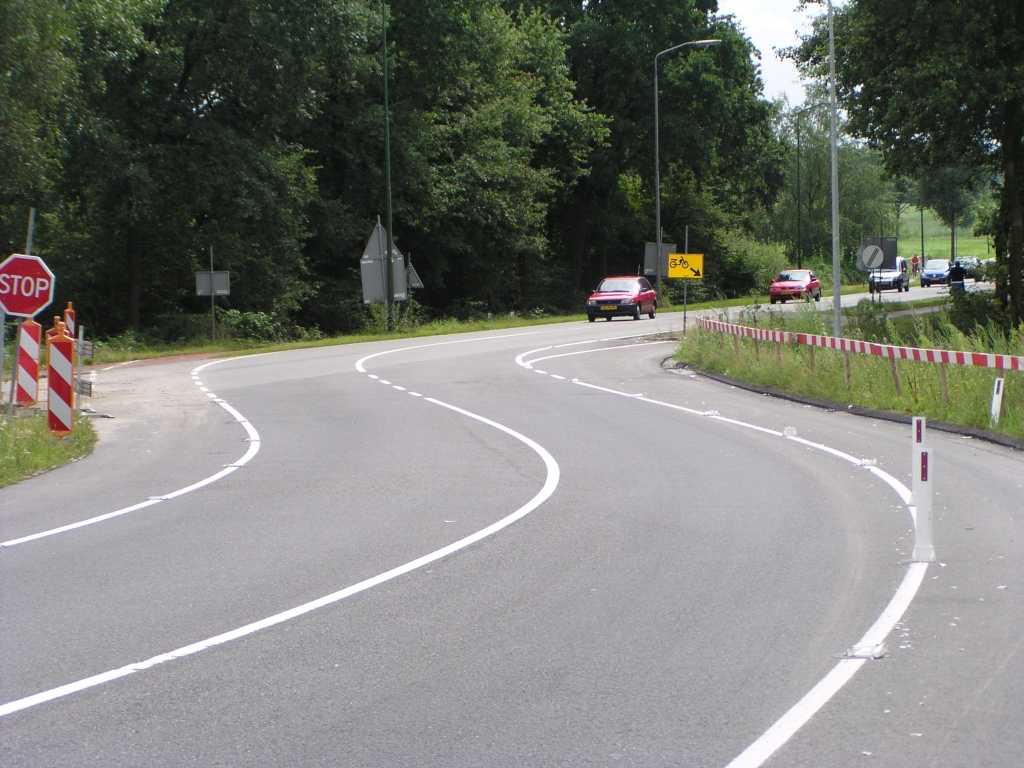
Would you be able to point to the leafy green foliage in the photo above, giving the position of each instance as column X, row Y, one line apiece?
column 149, row 131
column 938, row 85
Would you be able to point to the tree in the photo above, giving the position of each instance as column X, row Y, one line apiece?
column 37, row 73
column 951, row 193
column 936, row 84
column 719, row 155
column 179, row 140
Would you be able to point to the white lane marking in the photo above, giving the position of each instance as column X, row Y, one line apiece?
column 362, row 360
column 254, row 447
column 521, row 359
column 550, row 484
column 783, row 729
column 118, row 365
column 778, row 734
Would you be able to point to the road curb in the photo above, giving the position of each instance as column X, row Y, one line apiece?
column 858, row 410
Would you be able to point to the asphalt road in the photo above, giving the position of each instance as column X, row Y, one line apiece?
column 646, row 571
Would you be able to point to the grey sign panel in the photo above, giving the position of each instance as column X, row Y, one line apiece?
column 412, row 278
column 83, row 387
column 371, row 269
column 888, row 248
column 85, row 348
column 213, row 283
column 650, row 265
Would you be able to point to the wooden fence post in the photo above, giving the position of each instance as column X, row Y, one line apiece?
column 895, row 376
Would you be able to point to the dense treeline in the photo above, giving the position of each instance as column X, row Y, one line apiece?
column 148, row 131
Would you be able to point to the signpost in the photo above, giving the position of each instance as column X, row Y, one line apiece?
column 373, row 268
column 26, row 288
column 213, row 284
column 688, row 266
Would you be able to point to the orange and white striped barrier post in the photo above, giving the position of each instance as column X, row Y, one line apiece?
column 69, row 320
column 60, row 356
column 27, row 374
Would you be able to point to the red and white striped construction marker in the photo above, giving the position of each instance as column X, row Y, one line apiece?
column 28, row 364
column 60, row 355
column 69, row 320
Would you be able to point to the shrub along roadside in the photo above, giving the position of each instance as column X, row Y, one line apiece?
column 871, row 381
column 27, row 448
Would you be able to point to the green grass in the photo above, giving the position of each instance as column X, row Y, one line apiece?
column 871, row 380
column 27, row 448
column 936, row 238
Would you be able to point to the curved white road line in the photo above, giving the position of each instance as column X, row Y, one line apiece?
column 550, row 483
column 800, row 713
column 254, row 448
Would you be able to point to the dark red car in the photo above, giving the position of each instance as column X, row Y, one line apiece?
column 794, row 284
column 624, row 295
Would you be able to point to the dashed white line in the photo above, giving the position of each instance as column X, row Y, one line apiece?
column 550, row 484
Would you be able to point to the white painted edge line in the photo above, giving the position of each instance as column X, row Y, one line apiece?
column 800, row 713
column 362, row 369
column 551, row 482
column 785, row 727
column 521, row 359
column 254, row 447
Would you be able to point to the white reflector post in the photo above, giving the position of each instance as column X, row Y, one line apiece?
column 997, row 401
column 921, row 489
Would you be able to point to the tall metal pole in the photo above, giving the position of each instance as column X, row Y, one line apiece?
column 799, row 176
column 389, row 278
column 837, row 316
column 213, row 307
column 17, row 332
column 657, row 159
column 799, row 222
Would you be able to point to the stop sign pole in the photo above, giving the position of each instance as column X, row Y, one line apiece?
column 26, row 288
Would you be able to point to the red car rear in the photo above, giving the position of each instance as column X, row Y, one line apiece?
column 795, row 284
column 623, row 295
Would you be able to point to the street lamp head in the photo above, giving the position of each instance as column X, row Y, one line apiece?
column 690, row 44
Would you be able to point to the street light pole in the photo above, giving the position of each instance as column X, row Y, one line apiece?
column 389, row 277
column 657, row 160
column 799, row 220
column 837, row 316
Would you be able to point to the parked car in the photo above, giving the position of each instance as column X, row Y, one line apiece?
column 974, row 267
column 898, row 277
column 794, row 284
column 622, row 295
column 935, row 271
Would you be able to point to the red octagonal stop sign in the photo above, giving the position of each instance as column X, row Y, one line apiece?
column 26, row 285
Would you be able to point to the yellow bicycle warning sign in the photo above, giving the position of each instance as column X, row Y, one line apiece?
column 688, row 265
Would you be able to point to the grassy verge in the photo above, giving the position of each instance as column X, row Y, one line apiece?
column 27, row 448
column 871, row 381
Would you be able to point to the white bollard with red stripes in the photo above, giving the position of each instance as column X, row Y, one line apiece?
column 921, row 489
column 27, row 375
column 60, row 356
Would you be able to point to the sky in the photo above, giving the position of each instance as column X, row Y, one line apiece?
column 772, row 24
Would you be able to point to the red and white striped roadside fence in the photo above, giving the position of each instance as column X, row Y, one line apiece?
column 69, row 320
column 27, row 391
column 60, row 356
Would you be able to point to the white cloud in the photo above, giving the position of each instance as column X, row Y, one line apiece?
column 770, row 25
